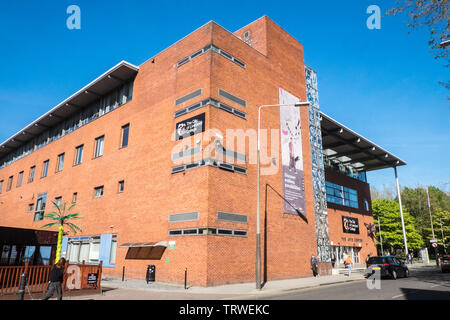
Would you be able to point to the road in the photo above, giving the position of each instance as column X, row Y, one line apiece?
column 425, row 283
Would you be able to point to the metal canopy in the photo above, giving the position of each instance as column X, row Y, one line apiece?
column 344, row 146
column 107, row 82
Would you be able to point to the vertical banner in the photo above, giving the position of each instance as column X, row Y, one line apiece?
column 292, row 155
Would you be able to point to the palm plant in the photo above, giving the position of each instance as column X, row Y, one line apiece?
column 62, row 218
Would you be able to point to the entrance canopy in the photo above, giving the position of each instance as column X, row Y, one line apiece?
column 145, row 250
column 343, row 146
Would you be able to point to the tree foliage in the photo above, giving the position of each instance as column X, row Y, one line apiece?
column 391, row 227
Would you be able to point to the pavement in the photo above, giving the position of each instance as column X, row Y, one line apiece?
column 133, row 289
column 138, row 289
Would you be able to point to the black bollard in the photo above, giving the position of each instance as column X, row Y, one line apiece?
column 185, row 278
column 123, row 273
column 22, row 286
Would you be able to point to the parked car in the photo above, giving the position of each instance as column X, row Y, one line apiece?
column 445, row 263
column 389, row 267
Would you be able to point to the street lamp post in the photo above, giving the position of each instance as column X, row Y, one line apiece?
column 258, row 229
column 442, row 233
column 432, row 228
column 381, row 239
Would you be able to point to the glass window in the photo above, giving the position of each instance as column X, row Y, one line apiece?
column 112, row 254
column 60, row 163
column 32, row 171
column 45, row 169
column 78, row 154
column 98, row 192
column 58, row 200
column 125, row 134
column 10, row 181
column 1, row 186
column 19, row 181
column 40, row 207
column 99, row 143
column 341, row 195
column 121, row 186
column 74, row 198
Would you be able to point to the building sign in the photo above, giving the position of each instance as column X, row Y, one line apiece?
column 292, row 155
column 189, row 127
column 350, row 225
column 92, row 278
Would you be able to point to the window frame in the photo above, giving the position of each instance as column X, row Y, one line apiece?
column 60, row 162
column 45, row 166
column 99, row 148
column 122, row 135
column 78, row 155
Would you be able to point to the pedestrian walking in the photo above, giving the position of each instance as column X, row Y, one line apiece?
column 348, row 264
column 56, row 278
column 314, row 265
column 412, row 257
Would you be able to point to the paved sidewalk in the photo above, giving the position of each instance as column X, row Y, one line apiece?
column 131, row 289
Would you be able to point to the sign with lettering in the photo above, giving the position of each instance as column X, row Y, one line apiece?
column 92, row 278
column 189, row 127
column 350, row 225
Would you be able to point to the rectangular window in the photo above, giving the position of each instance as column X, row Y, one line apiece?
column 99, row 143
column 19, row 181
column 121, row 186
column 32, row 171
column 40, row 207
column 112, row 253
column 10, row 182
column 31, row 207
column 60, row 163
column 125, row 134
column 98, row 192
column 58, row 200
column 85, row 249
column 74, row 198
column 45, row 168
column 341, row 195
column 78, row 155
column 1, row 186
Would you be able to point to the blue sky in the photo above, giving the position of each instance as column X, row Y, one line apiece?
column 381, row 83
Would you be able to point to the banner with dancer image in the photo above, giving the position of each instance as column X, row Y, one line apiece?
column 292, row 155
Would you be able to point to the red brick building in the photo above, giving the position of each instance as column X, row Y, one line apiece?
column 186, row 198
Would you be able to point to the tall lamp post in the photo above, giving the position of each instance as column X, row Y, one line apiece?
column 432, row 228
column 401, row 211
column 258, row 229
column 381, row 239
column 442, row 233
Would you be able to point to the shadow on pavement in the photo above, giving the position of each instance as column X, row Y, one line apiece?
column 421, row 294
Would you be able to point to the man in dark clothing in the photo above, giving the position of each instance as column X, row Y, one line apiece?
column 314, row 262
column 56, row 279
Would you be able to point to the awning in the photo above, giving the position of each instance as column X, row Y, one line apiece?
column 343, row 146
column 108, row 81
column 144, row 244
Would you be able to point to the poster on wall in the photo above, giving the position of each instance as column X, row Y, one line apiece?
column 292, row 155
column 189, row 127
column 350, row 225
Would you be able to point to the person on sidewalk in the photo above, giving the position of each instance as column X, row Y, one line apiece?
column 314, row 265
column 348, row 264
column 56, row 278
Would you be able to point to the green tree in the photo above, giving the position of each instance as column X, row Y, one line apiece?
column 62, row 218
column 442, row 235
column 416, row 202
column 391, row 227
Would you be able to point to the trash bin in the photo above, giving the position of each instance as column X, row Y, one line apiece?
column 150, row 273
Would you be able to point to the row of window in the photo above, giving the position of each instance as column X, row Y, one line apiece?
column 208, row 231
column 212, row 163
column 341, row 195
column 87, row 249
column 102, row 106
column 41, row 201
column 98, row 152
column 215, row 49
column 210, row 102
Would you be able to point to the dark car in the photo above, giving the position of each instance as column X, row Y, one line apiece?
column 388, row 266
column 445, row 263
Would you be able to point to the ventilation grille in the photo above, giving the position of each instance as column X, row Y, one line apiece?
column 232, row 217
column 188, row 97
column 233, row 98
column 181, row 217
